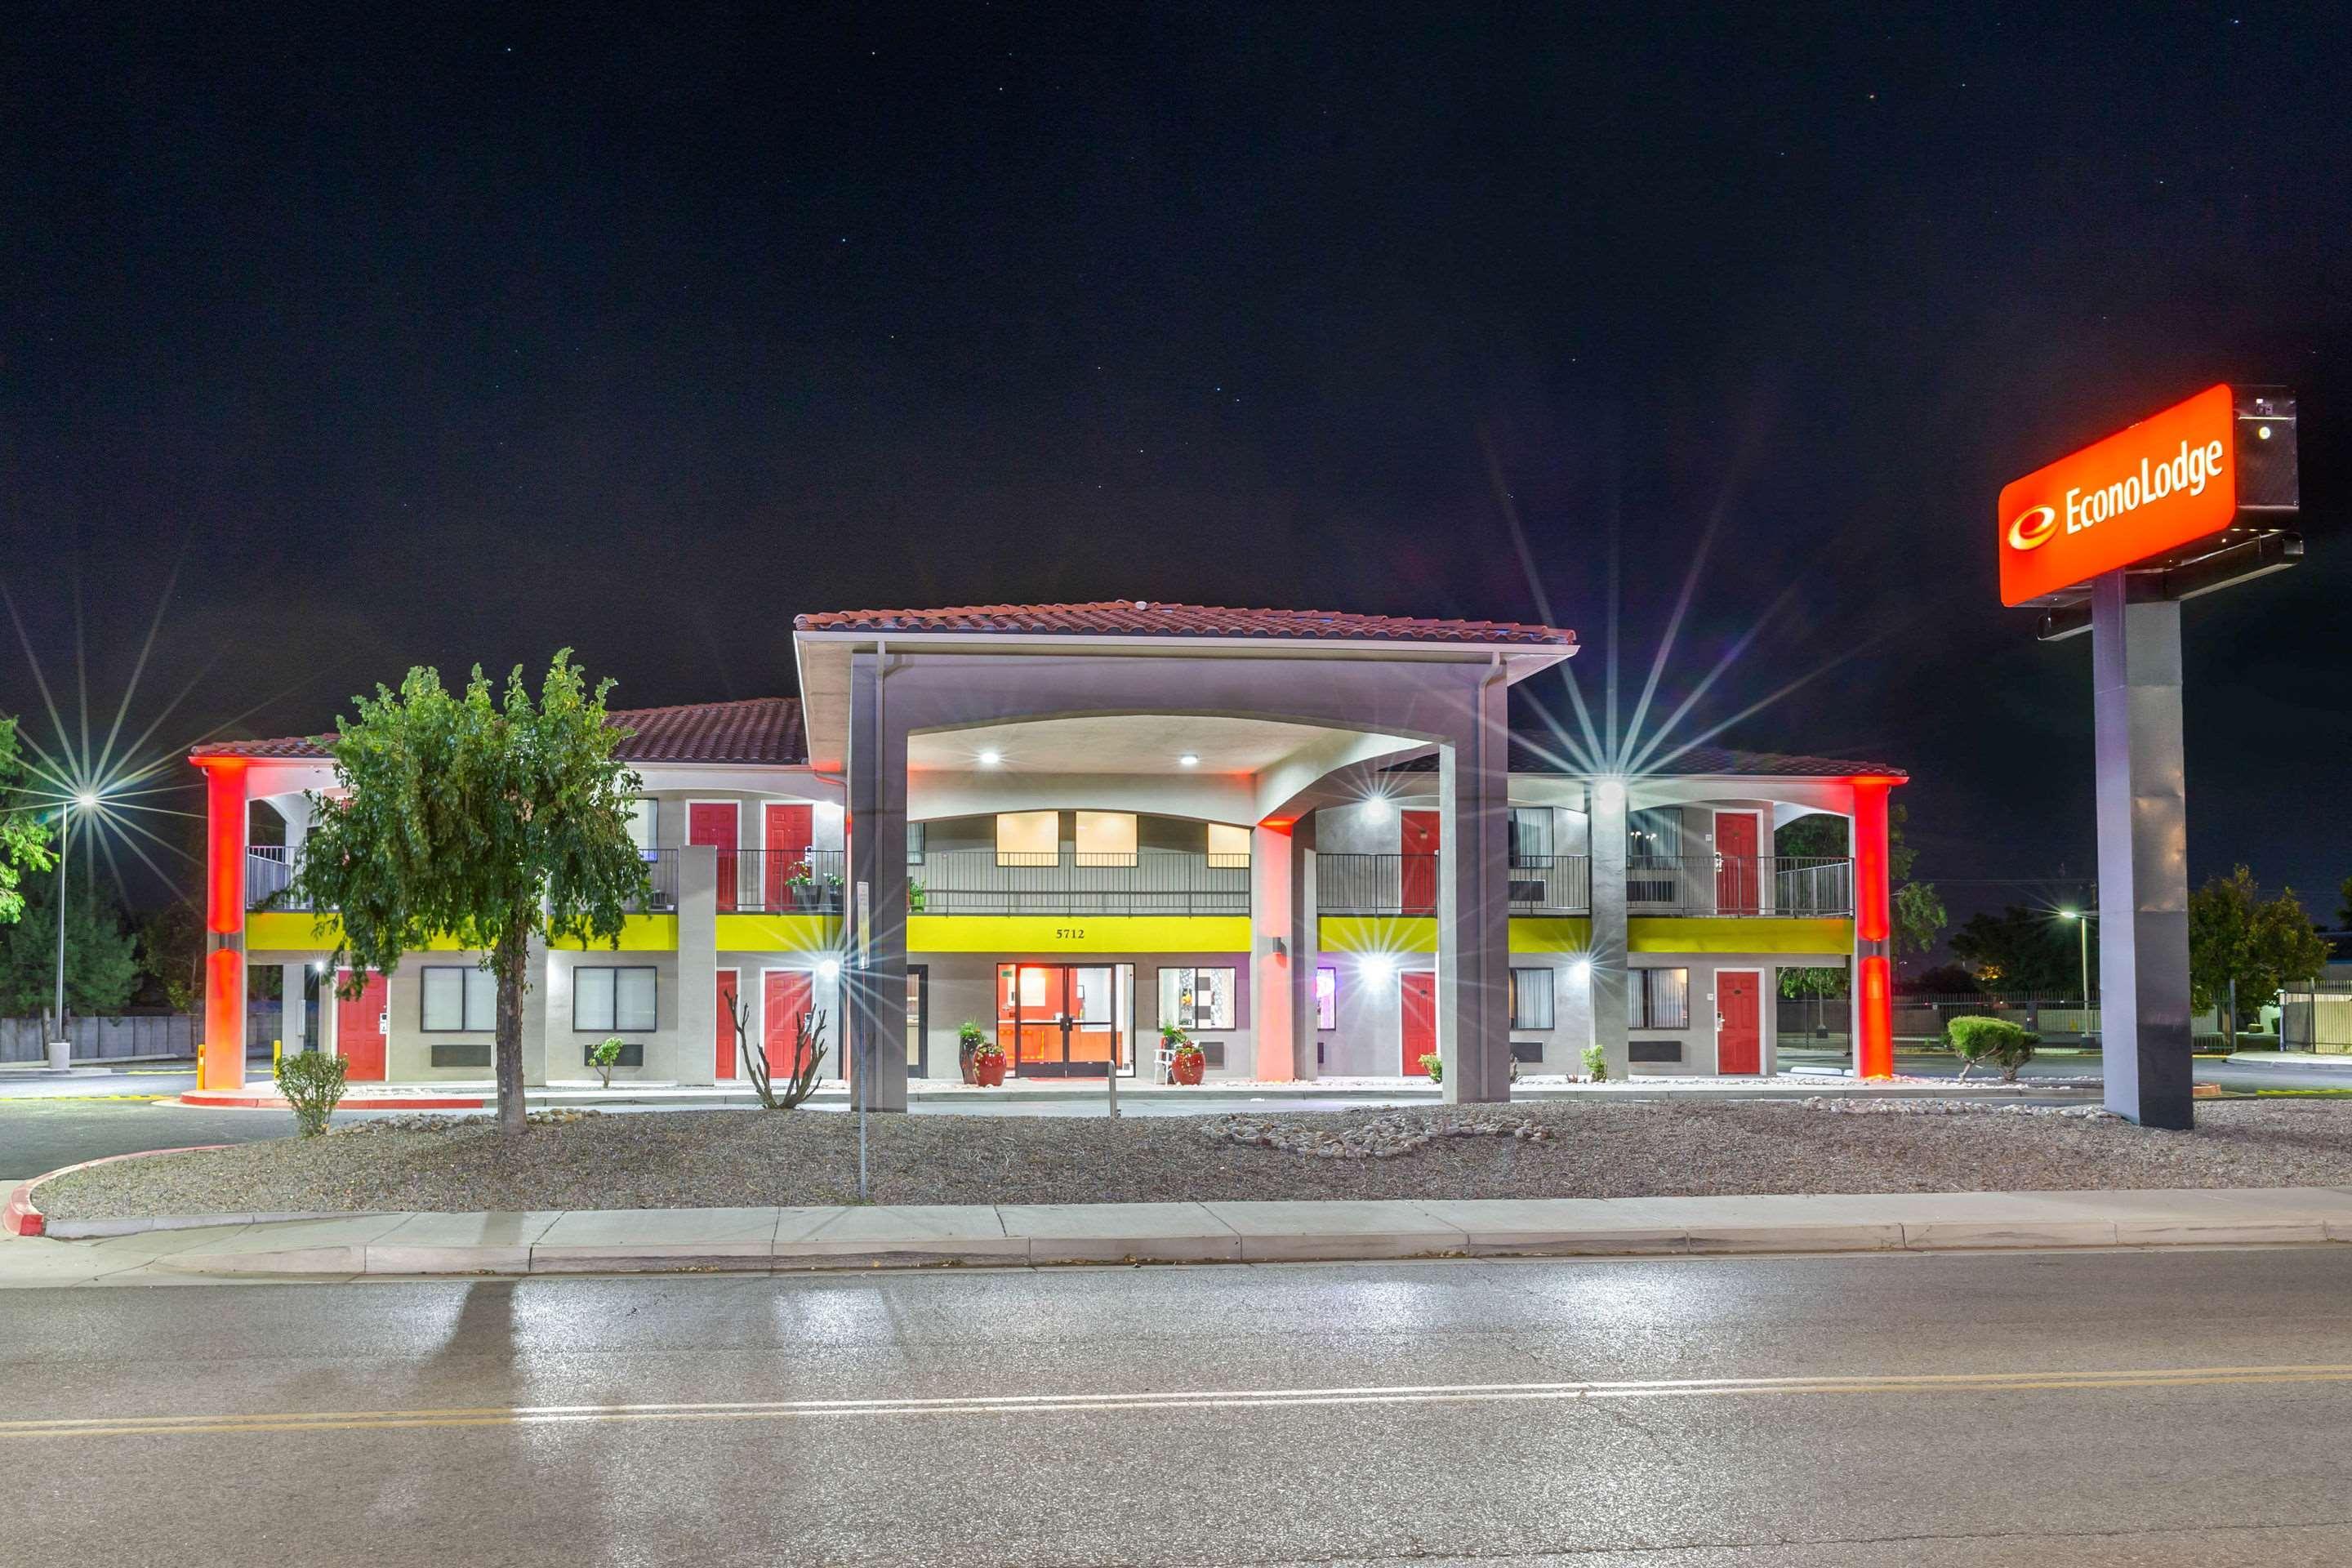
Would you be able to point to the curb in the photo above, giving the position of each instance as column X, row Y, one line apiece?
column 21, row 1216
column 790, row 1241
column 227, row 1100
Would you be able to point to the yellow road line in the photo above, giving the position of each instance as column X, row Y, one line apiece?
column 1201, row 1399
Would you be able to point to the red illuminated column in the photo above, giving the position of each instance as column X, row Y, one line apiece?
column 1874, row 979
column 220, row 1062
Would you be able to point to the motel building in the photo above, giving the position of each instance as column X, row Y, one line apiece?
column 1308, row 839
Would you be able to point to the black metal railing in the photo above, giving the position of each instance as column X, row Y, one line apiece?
column 1066, row 882
column 269, row 873
column 781, row 881
column 1348, row 884
column 661, row 870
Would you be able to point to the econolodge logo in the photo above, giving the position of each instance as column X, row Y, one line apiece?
column 2033, row 527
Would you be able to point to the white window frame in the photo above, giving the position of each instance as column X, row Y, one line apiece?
column 1231, row 995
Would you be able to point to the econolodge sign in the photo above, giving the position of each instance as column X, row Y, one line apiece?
column 2168, row 480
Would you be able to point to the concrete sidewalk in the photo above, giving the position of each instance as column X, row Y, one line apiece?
column 765, row 1240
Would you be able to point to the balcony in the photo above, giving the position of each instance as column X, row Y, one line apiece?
column 1146, row 882
column 270, row 871
column 779, row 881
column 1680, row 885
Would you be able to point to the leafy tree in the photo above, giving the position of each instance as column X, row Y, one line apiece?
column 1818, row 835
column 1919, row 919
column 1811, row 980
column 172, row 954
column 101, row 969
column 2021, row 950
column 24, row 836
column 1943, row 980
column 2233, row 935
column 488, row 820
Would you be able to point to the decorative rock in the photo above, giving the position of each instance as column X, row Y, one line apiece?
column 1381, row 1137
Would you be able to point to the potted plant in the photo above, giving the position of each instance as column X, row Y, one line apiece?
column 988, row 1064
column 803, row 884
column 915, row 897
column 1186, row 1061
column 1435, row 1066
column 970, row 1037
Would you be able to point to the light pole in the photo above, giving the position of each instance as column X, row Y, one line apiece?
column 2083, row 919
column 61, row 1048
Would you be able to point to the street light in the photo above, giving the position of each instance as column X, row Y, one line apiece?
column 61, row 1048
column 2082, row 926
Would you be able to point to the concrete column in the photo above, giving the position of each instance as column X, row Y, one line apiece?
column 220, row 1058
column 2143, row 811
column 1873, row 930
column 873, row 980
column 1280, row 952
column 290, row 1009
column 697, row 1057
column 1305, row 948
column 538, row 998
column 1473, row 906
column 1607, row 978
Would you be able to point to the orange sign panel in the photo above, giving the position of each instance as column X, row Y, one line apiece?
column 2168, row 480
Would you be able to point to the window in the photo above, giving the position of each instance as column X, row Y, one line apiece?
column 1658, row 999
column 645, row 817
column 1654, row 846
column 1197, row 999
column 1028, row 838
column 915, row 842
column 613, row 1001
column 1229, row 846
column 459, row 998
column 1532, row 835
column 1106, row 837
column 1531, row 998
column 1327, row 998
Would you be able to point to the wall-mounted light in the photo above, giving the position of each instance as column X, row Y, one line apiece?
column 1377, row 967
column 1376, row 810
column 1580, row 970
column 830, row 969
column 1610, row 792
column 1189, row 759
column 991, row 757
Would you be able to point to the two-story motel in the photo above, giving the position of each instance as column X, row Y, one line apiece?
column 1307, row 837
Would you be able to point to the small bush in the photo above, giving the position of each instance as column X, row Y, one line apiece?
column 1435, row 1066
column 1596, row 1064
column 604, row 1057
column 312, row 1083
column 2006, row 1045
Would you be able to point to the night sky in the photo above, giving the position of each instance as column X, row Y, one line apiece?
column 449, row 335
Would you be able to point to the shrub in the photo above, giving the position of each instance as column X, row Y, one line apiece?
column 2007, row 1046
column 312, row 1083
column 604, row 1057
column 1596, row 1064
column 1435, row 1066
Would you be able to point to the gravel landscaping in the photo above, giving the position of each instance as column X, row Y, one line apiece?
column 725, row 1158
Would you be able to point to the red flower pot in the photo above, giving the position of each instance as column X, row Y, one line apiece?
column 1189, row 1065
column 988, row 1071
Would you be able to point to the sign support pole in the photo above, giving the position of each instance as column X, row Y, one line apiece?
column 2143, row 815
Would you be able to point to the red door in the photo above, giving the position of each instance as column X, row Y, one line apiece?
column 1736, row 868
column 713, row 822
column 359, row 1026
column 791, row 828
column 789, row 993
column 724, row 1041
column 1418, row 877
column 1739, row 1035
column 1417, row 999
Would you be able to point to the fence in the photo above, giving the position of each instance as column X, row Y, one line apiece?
column 1068, row 882
column 2315, row 1021
column 106, row 1039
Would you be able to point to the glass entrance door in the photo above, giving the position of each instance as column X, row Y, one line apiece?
column 1066, row 1020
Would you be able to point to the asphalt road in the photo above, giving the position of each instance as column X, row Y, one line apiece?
column 2056, row 1408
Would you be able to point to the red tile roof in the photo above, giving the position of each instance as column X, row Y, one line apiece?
column 1138, row 617
column 761, row 730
